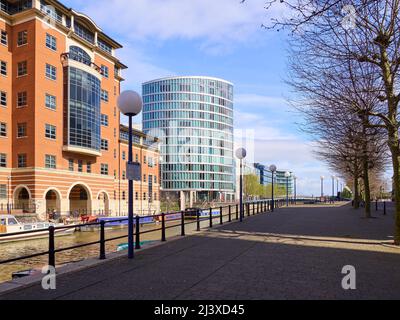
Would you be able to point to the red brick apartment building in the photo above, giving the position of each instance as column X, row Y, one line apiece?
column 62, row 146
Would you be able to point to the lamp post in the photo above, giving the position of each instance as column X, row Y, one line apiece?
column 287, row 176
column 273, row 169
column 337, row 186
column 8, row 195
column 130, row 104
column 241, row 153
column 322, row 187
column 333, row 187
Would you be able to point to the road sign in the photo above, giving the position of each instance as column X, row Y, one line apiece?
column 133, row 171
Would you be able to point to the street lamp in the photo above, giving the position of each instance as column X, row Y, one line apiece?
column 287, row 176
column 322, row 187
column 8, row 195
column 241, row 153
column 273, row 169
column 333, row 188
column 130, row 104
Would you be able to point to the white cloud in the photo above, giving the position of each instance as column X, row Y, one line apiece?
column 218, row 23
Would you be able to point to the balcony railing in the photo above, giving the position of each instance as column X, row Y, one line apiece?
column 73, row 56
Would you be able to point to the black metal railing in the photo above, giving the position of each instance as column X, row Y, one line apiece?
column 233, row 213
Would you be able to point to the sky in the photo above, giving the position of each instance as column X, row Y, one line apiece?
column 223, row 39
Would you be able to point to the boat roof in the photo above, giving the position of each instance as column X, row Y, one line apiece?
column 6, row 216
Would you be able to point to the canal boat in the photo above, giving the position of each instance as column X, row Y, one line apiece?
column 10, row 225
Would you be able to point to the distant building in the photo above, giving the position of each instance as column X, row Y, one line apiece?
column 193, row 117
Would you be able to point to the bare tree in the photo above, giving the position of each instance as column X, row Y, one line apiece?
column 365, row 35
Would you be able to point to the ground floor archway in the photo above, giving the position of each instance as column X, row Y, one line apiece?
column 53, row 202
column 79, row 200
column 104, row 204
column 22, row 198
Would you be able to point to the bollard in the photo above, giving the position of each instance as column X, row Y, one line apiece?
column 137, row 235
column 198, row 220
column 163, row 237
column 52, row 257
column 376, row 205
column 237, row 212
column 384, row 208
column 102, row 241
column 221, row 216
column 230, row 213
column 211, row 218
column 182, row 224
column 248, row 209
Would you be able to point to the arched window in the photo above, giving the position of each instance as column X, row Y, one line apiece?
column 80, row 55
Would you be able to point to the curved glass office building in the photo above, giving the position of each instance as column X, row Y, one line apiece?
column 193, row 117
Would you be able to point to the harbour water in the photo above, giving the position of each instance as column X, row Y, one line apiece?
column 24, row 248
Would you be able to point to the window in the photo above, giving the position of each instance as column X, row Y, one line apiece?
column 3, row 191
column 115, row 153
column 3, row 160
column 105, row 47
column 89, row 167
column 22, row 161
column 71, row 164
column 3, row 68
column 155, row 179
column 123, row 195
column 21, row 130
column 104, row 120
column 51, row 102
column 51, row 72
column 145, row 160
column 22, row 98
column 22, row 38
column 3, row 98
column 51, row 42
column 50, row 161
column 155, row 196
column 123, row 175
column 136, row 195
column 51, row 132
column 22, row 69
column 3, row 38
column 104, row 71
column 123, row 155
column 3, row 129
column 80, row 166
column 104, row 95
column 144, row 196
column 104, row 144
column 144, row 178
column 104, row 169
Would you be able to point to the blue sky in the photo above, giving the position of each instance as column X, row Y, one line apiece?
column 223, row 39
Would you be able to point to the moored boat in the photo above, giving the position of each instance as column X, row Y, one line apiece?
column 11, row 230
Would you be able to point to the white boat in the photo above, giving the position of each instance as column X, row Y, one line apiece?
column 10, row 225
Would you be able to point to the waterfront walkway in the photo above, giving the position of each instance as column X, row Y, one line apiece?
column 295, row 253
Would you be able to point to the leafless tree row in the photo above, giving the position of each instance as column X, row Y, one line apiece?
column 345, row 61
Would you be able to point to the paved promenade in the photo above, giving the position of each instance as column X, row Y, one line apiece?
column 295, row 253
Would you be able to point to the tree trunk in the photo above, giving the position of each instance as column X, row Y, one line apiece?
column 356, row 187
column 396, row 185
column 367, row 190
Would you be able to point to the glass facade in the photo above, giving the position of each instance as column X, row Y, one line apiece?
column 84, row 110
column 193, row 117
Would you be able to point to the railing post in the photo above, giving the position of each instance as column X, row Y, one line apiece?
column 230, row 213
column 384, row 208
column 182, row 224
column 52, row 255
column 237, row 212
column 163, row 237
column 376, row 205
column 211, row 218
column 248, row 209
column 137, row 235
column 221, row 216
column 102, row 240
column 198, row 220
